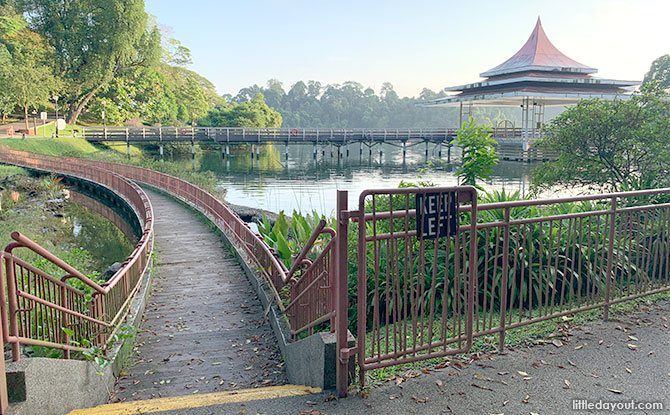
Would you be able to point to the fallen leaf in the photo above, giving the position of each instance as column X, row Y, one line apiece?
column 579, row 347
column 528, row 378
column 482, row 387
column 628, row 370
column 392, row 397
column 571, row 363
column 438, row 382
column 600, row 342
column 615, row 391
column 503, row 373
column 522, row 373
column 525, row 400
column 567, row 384
column 398, row 381
column 650, row 353
column 557, row 343
column 506, row 402
column 633, row 338
column 420, row 400
column 632, row 346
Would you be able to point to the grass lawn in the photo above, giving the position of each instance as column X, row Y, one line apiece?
column 71, row 147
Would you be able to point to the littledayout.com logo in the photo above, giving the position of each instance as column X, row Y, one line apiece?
column 615, row 406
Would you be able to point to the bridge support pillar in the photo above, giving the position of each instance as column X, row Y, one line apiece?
column 347, row 150
column 439, row 150
column 192, row 155
column 404, row 151
column 449, row 153
column 286, row 152
column 314, row 154
column 426, row 150
column 381, row 152
column 252, row 151
column 258, row 152
column 360, row 150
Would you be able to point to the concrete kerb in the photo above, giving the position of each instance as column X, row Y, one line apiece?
column 309, row 361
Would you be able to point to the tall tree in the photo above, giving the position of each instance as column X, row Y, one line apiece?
column 659, row 71
column 27, row 79
column 617, row 145
column 93, row 41
column 254, row 113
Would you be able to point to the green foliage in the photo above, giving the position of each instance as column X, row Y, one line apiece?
column 254, row 113
column 659, row 71
column 479, row 153
column 351, row 105
column 289, row 235
column 93, row 41
column 27, row 79
column 609, row 145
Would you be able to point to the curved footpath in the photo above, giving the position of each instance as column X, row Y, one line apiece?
column 203, row 329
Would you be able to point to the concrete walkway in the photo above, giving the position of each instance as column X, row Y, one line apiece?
column 203, row 329
column 623, row 360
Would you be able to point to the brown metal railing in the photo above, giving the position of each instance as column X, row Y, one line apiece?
column 312, row 298
column 258, row 253
column 535, row 260
column 38, row 307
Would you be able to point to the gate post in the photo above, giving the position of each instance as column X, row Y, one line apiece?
column 341, row 288
column 4, row 401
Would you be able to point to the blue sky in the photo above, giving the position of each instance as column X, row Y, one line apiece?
column 412, row 43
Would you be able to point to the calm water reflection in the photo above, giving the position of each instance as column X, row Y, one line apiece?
column 305, row 184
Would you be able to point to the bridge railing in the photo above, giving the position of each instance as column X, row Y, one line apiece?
column 44, row 310
column 259, row 135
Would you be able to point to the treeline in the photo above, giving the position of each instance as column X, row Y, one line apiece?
column 350, row 105
column 95, row 56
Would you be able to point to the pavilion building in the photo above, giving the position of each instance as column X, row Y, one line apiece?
column 538, row 75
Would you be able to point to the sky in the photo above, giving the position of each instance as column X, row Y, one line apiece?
column 410, row 43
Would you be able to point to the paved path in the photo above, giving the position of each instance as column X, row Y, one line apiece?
column 621, row 360
column 203, row 329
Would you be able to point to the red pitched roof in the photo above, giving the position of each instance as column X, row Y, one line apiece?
column 538, row 54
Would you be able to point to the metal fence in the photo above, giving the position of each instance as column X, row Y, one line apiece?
column 43, row 310
column 493, row 267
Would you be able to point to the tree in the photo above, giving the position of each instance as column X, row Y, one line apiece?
column 659, row 71
column 93, row 41
column 254, row 113
column 611, row 145
column 27, row 80
column 479, row 153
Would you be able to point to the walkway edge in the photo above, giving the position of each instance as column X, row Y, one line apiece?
column 197, row 401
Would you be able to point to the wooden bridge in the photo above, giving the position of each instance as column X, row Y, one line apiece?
column 513, row 143
column 286, row 135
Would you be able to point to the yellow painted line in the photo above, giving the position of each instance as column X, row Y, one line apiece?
column 196, row 401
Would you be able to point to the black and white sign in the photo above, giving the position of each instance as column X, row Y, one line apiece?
column 436, row 215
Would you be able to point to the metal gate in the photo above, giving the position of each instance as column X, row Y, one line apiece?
column 417, row 269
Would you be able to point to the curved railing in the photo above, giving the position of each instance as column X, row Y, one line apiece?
column 42, row 310
column 257, row 253
column 264, row 259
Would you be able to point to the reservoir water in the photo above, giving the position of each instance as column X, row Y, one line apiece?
column 302, row 183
